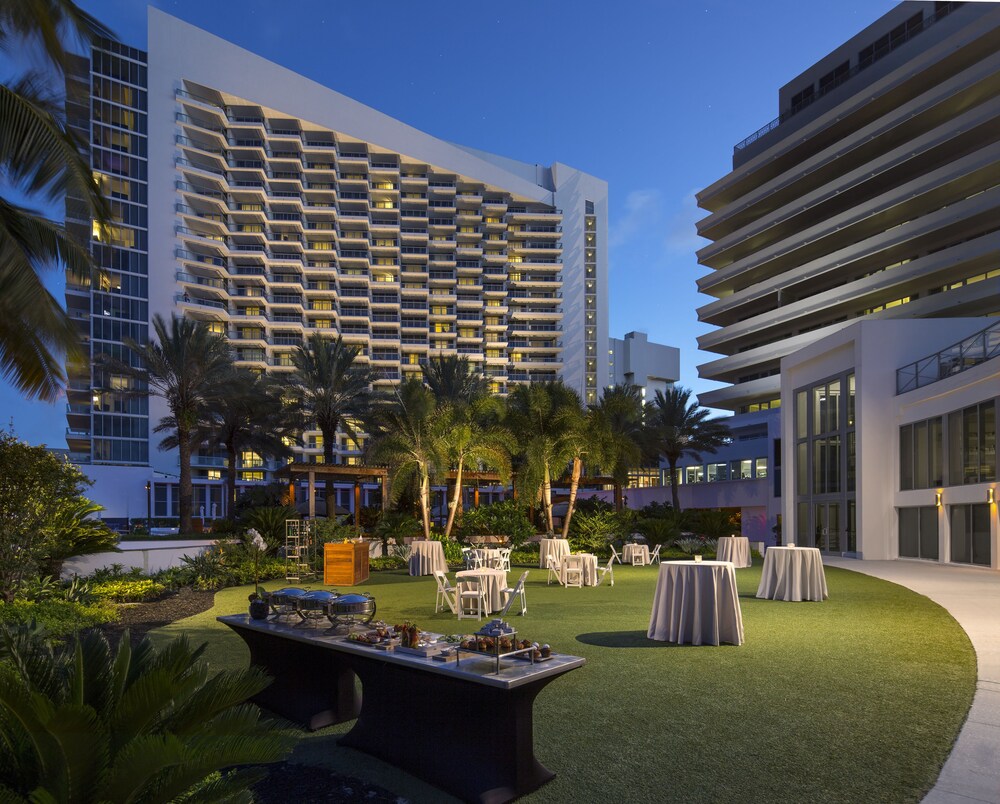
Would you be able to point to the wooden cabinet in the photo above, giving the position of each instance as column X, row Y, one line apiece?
column 345, row 563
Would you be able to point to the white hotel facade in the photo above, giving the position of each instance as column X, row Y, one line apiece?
column 271, row 208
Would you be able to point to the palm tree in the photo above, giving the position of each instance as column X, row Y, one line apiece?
column 250, row 416
column 333, row 389
column 620, row 432
column 409, row 436
column 454, row 380
column 40, row 160
column 575, row 439
column 82, row 723
column 190, row 368
column 469, row 440
column 545, row 449
column 681, row 427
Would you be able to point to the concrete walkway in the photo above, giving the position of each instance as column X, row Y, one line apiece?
column 972, row 596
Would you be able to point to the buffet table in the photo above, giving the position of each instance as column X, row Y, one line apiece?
column 557, row 548
column 735, row 549
column 427, row 557
column 793, row 573
column 636, row 554
column 586, row 561
column 696, row 602
column 406, row 695
column 494, row 581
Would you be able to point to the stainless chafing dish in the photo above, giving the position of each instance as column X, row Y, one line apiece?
column 314, row 605
column 282, row 601
column 349, row 609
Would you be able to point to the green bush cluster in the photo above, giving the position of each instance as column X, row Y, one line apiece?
column 387, row 563
column 221, row 566
column 507, row 518
column 60, row 618
column 127, row 590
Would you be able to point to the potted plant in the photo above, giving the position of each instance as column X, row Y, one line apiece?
column 259, row 606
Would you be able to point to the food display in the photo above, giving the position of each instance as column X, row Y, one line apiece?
column 497, row 640
column 381, row 637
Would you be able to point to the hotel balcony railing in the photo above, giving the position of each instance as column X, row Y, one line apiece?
column 967, row 353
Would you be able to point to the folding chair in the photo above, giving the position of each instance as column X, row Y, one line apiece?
column 654, row 556
column 553, row 566
column 473, row 592
column 614, row 555
column 573, row 571
column 608, row 569
column 504, row 562
column 517, row 592
column 446, row 593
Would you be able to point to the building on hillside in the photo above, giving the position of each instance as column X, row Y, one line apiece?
column 271, row 208
column 873, row 196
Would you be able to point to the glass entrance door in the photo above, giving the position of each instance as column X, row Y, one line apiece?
column 826, row 521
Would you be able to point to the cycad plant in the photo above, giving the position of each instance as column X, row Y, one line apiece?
column 41, row 161
column 84, row 724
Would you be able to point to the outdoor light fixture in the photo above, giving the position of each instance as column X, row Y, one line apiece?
column 937, row 498
column 990, row 496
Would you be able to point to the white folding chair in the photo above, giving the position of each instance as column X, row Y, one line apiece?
column 654, row 557
column 446, row 593
column 504, row 563
column 553, row 567
column 638, row 559
column 573, row 571
column 471, row 591
column 517, row 592
column 614, row 555
column 608, row 569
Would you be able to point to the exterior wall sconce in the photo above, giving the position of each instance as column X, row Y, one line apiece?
column 937, row 498
column 990, row 496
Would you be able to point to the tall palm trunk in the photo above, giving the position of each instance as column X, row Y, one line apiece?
column 574, row 483
column 618, row 497
column 425, row 501
column 456, row 499
column 673, row 483
column 186, row 502
column 547, row 501
column 231, row 479
column 331, row 493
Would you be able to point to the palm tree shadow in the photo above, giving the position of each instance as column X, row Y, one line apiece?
column 623, row 639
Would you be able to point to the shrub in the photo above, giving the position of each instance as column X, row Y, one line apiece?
column 269, row 522
column 452, row 550
column 696, row 546
column 60, row 618
column 387, row 563
column 713, row 523
column 592, row 531
column 526, row 556
column 128, row 591
column 114, row 572
column 507, row 518
column 396, row 525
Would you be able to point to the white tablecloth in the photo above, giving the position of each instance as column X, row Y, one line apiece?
column 696, row 603
column 493, row 580
column 427, row 557
column 635, row 554
column 735, row 549
column 552, row 547
column 587, row 561
column 792, row 573
column 489, row 556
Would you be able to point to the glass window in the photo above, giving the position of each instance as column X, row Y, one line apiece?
column 920, row 455
column 801, row 420
column 970, row 534
column 802, row 468
column 760, row 468
column 918, row 532
column 850, row 400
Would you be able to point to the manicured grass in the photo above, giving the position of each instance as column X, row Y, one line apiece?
column 858, row 698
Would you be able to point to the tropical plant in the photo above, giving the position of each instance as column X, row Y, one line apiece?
column 396, row 525
column 714, row 523
column 75, row 531
column 189, row 367
column 270, row 522
column 410, row 439
column 59, row 618
column 680, row 427
column 593, row 531
column 333, row 390
column 127, row 590
column 84, row 724
column 36, row 489
column 620, row 433
column 467, row 442
column 249, row 417
column 42, row 161
column 696, row 546
column 454, row 380
column 546, row 446
column 506, row 518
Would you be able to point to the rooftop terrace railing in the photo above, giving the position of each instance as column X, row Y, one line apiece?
column 958, row 357
column 885, row 50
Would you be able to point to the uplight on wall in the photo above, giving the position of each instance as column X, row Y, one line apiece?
column 990, row 496
column 937, row 498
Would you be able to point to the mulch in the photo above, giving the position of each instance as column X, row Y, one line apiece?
column 141, row 618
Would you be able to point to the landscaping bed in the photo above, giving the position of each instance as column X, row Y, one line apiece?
column 141, row 618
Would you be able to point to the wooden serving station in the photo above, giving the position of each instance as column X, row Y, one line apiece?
column 345, row 563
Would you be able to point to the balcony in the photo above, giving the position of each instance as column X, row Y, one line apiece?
column 966, row 354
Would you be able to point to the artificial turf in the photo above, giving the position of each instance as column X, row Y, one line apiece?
column 858, row 698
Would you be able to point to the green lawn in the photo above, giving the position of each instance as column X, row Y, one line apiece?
column 856, row 699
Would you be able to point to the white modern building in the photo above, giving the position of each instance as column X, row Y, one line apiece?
column 872, row 197
column 272, row 207
column 638, row 361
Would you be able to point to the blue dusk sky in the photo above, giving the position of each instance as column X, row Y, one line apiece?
column 650, row 96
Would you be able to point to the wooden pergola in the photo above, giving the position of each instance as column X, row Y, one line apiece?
column 355, row 474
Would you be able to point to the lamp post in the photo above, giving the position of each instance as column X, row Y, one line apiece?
column 149, row 497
